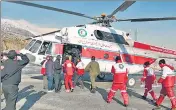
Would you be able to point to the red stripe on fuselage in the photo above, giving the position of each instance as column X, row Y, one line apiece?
column 128, row 58
column 99, row 54
column 153, row 48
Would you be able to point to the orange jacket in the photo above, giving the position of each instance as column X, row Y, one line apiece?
column 69, row 67
column 120, row 73
column 168, row 77
column 148, row 76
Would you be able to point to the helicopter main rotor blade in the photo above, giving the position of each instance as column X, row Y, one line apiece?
column 51, row 8
column 122, row 7
column 148, row 19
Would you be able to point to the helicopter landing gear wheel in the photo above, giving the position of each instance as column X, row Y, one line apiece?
column 131, row 82
column 101, row 76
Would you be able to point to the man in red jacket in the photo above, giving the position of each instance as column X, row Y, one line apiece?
column 120, row 78
column 167, row 80
column 80, row 73
column 69, row 68
column 149, row 78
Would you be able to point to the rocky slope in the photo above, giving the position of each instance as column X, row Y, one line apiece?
column 14, row 32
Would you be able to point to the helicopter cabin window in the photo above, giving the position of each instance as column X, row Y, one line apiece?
column 30, row 44
column 36, row 46
column 98, row 34
column 120, row 39
column 43, row 48
column 49, row 49
column 110, row 37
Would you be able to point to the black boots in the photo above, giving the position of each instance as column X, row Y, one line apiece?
column 93, row 90
column 82, row 84
column 125, row 105
column 72, row 90
column 143, row 97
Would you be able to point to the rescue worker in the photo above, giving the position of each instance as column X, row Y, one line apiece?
column 75, row 53
column 167, row 80
column 94, row 69
column 50, row 73
column 69, row 68
column 57, row 74
column 43, row 72
column 149, row 78
column 80, row 73
column 120, row 79
column 11, row 77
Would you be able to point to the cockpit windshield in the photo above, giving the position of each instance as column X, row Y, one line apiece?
column 36, row 46
column 30, row 44
column 110, row 37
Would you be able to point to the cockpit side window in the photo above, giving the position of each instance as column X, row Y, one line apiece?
column 49, row 49
column 43, row 48
column 119, row 39
column 30, row 44
column 36, row 46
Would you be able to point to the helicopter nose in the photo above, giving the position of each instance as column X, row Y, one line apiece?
column 31, row 57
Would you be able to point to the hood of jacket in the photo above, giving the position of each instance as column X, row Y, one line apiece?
column 11, row 54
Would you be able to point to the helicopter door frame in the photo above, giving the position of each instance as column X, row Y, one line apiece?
column 41, row 57
column 56, row 49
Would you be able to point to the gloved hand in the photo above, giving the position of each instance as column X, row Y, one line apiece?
column 20, row 54
column 160, row 80
column 142, row 79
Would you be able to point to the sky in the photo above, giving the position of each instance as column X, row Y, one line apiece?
column 160, row 33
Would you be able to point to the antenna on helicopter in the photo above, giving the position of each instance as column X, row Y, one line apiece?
column 136, row 33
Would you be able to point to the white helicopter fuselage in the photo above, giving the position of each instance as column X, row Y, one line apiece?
column 104, row 43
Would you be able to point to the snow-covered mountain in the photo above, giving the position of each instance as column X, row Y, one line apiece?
column 22, row 28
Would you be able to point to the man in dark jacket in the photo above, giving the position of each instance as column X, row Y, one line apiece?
column 11, row 77
column 50, row 73
column 75, row 53
column 57, row 76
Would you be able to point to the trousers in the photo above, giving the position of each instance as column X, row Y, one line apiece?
column 45, row 82
column 92, row 79
column 169, row 91
column 68, row 81
column 79, row 78
column 122, row 88
column 148, row 88
column 50, row 82
column 57, row 81
column 10, row 94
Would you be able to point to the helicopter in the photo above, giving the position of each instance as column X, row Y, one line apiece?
column 97, row 39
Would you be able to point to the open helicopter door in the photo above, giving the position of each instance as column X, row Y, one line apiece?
column 131, row 80
column 55, row 49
